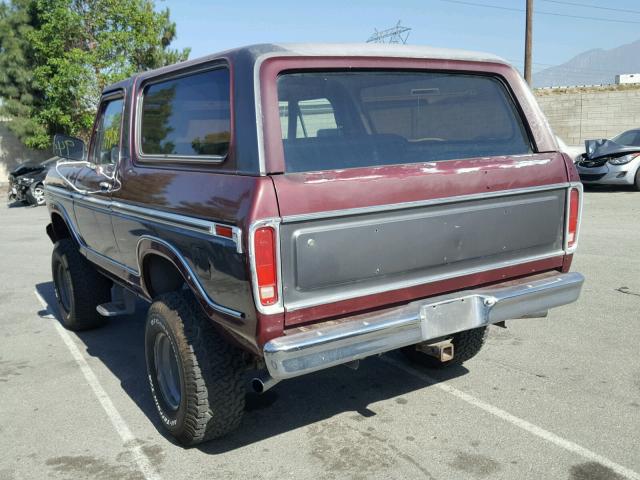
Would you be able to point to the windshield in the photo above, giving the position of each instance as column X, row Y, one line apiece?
column 336, row 120
column 630, row 138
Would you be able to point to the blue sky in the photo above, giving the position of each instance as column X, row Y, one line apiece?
column 208, row 26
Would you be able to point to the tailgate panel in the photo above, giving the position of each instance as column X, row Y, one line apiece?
column 333, row 259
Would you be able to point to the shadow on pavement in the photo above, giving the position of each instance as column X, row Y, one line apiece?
column 289, row 405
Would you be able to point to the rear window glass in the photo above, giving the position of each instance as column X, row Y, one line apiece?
column 336, row 120
column 187, row 116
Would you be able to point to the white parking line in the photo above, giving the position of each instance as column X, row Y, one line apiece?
column 517, row 421
column 117, row 421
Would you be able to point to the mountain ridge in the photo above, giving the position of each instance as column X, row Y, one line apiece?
column 592, row 67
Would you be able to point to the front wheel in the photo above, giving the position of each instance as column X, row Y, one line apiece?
column 79, row 287
column 466, row 345
column 35, row 195
column 196, row 377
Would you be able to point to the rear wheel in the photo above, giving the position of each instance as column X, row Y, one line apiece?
column 79, row 287
column 196, row 377
column 466, row 345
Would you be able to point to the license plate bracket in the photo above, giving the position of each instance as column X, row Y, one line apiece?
column 451, row 316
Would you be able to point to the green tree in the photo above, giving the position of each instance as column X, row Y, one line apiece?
column 72, row 49
column 19, row 95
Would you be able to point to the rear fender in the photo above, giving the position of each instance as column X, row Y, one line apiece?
column 230, row 320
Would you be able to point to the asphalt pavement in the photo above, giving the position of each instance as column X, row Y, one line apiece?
column 553, row 398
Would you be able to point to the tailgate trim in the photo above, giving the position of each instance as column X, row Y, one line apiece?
column 421, row 203
column 334, row 343
column 301, row 305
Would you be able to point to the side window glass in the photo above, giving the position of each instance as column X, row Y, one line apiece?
column 107, row 136
column 187, row 116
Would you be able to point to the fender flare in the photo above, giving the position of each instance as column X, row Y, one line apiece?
column 149, row 245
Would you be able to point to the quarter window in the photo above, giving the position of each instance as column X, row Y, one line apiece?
column 187, row 116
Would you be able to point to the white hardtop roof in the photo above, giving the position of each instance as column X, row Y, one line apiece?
column 387, row 50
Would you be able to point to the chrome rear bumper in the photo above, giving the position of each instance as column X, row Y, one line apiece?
column 333, row 343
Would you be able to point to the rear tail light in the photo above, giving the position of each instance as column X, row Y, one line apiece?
column 573, row 219
column 264, row 250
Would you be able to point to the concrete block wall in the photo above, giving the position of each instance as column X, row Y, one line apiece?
column 584, row 113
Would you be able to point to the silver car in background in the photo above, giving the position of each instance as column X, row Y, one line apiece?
column 611, row 166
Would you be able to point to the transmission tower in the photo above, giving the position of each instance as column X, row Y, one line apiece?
column 397, row 34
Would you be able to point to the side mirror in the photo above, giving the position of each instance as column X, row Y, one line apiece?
column 68, row 147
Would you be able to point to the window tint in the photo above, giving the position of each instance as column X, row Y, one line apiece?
column 351, row 119
column 187, row 116
column 629, row 138
column 107, row 136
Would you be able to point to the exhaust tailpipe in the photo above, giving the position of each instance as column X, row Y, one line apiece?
column 263, row 382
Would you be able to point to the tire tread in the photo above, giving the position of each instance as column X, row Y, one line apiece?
column 89, row 287
column 214, row 380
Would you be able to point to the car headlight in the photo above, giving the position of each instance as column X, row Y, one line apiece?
column 623, row 159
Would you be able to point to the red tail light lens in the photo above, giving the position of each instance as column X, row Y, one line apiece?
column 265, row 262
column 574, row 210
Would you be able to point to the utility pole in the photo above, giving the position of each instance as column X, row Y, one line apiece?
column 527, row 42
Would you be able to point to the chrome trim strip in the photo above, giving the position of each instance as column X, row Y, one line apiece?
column 420, row 203
column 60, row 192
column 92, row 202
column 578, row 186
column 159, row 216
column 351, row 294
column 275, row 224
column 70, row 225
column 63, row 211
column 333, row 343
column 192, row 275
column 215, row 306
column 172, row 219
column 111, row 260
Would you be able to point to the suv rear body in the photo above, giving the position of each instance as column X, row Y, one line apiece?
column 321, row 200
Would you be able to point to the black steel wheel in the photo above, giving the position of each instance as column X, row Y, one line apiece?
column 79, row 287
column 167, row 371
column 196, row 377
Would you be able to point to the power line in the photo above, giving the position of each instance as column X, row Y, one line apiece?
column 584, row 5
column 538, row 12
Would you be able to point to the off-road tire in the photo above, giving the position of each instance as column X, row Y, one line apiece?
column 211, row 371
column 86, row 287
column 466, row 345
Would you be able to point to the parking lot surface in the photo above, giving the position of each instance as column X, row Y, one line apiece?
column 553, row 398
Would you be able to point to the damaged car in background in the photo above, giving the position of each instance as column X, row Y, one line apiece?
column 612, row 162
column 26, row 182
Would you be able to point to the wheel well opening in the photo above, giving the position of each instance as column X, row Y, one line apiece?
column 59, row 228
column 160, row 276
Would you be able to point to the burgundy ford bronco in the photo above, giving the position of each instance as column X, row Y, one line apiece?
column 289, row 208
